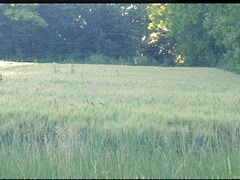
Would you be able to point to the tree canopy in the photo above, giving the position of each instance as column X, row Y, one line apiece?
column 168, row 34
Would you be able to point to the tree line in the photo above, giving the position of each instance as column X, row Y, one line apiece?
column 149, row 34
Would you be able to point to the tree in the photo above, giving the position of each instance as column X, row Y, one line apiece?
column 159, row 44
column 192, row 38
column 17, row 22
column 222, row 22
column 62, row 30
column 26, row 12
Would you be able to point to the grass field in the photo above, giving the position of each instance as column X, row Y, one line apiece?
column 106, row 121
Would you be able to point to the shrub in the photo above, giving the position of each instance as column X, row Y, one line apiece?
column 144, row 60
column 97, row 59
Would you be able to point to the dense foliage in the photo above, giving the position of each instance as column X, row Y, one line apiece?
column 205, row 34
column 73, row 30
column 169, row 34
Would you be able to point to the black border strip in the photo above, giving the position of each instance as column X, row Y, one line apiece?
column 119, row 1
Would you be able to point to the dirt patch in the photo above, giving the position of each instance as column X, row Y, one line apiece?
column 6, row 68
column 9, row 64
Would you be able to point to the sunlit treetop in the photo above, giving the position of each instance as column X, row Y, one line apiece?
column 158, row 16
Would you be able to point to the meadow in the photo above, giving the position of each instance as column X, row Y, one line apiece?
column 116, row 121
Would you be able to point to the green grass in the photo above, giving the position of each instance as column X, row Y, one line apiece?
column 106, row 121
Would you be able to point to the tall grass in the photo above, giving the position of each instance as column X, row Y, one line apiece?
column 106, row 121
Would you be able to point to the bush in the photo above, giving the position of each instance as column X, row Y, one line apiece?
column 97, row 59
column 144, row 61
